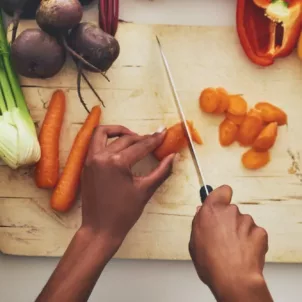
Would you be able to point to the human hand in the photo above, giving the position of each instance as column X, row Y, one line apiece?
column 228, row 250
column 113, row 199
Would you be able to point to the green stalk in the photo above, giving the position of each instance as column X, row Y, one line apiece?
column 11, row 74
column 6, row 89
column 2, row 102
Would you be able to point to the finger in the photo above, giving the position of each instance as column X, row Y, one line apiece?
column 220, row 196
column 246, row 225
column 100, row 136
column 124, row 142
column 138, row 151
column 157, row 177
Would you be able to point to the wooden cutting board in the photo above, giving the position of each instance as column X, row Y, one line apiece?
column 139, row 96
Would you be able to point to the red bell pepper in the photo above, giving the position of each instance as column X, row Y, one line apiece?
column 268, row 29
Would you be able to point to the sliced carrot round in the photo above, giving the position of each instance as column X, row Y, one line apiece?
column 238, row 105
column 253, row 159
column 237, row 119
column 223, row 101
column 227, row 132
column 271, row 113
column 250, row 128
column 208, row 100
column 266, row 138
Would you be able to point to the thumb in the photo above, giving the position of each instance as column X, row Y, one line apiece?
column 158, row 176
column 220, row 196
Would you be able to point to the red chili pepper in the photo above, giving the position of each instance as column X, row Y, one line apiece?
column 268, row 29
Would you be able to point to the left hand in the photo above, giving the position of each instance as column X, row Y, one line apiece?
column 113, row 198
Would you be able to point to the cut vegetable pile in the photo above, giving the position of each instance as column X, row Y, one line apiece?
column 256, row 127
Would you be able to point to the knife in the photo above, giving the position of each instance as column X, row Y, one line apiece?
column 205, row 189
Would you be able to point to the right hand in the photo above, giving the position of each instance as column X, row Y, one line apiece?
column 227, row 248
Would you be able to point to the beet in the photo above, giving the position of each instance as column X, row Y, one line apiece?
column 35, row 54
column 55, row 16
column 94, row 45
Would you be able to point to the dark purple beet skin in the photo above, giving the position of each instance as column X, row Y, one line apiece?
column 54, row 16
column 35, row 54
column 97, row 47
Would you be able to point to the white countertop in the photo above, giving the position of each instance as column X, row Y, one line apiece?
column 21, row 279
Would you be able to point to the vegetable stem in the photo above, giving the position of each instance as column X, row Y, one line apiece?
column 6, row 89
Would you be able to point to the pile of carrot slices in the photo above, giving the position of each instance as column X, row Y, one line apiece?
column 47, row 172
column 256, row 127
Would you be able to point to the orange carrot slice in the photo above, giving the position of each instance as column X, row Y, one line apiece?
column 267, row 137
column 175, row 140
column 208, row 100
column 237, row 106
column 227, row 132
column 223, row 101
column 271, row 113
column 65, row 192
column 47, row 169
column 237, row 119
column 253, row 159
column 250, row 128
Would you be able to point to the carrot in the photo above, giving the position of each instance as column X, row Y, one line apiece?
column 47, row 169
column 227, row 132
column 237, row 119
column 65, row 192
column 223, row 101
column 250, row 128
column 237, row 106
column 266, row 138
column 194, row 133
column 208, row 100
column 255, row 160
column 175, row 140
column 271, row 113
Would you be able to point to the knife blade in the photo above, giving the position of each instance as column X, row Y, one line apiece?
column 205, row 189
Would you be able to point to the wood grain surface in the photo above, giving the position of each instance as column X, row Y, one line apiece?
column 139, row 96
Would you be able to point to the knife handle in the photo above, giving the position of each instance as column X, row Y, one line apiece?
column 203, row 193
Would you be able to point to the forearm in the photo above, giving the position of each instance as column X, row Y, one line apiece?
column 252, row 290
column 79, row 269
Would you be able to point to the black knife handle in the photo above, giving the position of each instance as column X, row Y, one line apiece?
column 203, row 193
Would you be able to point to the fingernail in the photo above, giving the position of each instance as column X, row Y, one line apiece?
column 161, row 129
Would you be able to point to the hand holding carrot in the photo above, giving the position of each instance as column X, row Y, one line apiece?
column 113, row 198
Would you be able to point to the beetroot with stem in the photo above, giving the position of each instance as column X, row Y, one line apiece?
column 57, row 17
column 35, row 54
column 96, row 46
column 92, row 43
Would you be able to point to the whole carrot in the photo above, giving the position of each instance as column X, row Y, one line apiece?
column 65, row 192
column 47, row 169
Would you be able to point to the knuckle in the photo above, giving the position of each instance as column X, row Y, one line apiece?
column 233, row 209
column 116, row 160
column 248, row 219
column 262, row 233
